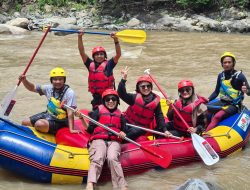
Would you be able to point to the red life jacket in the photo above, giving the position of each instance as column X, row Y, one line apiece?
column 98, row 81
column 141, row 114
column 111, row 120
column 186, row 113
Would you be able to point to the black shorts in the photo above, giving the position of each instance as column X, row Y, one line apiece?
column 54, row 124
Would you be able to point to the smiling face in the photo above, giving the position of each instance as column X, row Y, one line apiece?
column 58, row 82
column 99, row 57
column 111, row 101
column 186, row 92
column 228, row 63
column 145, row 88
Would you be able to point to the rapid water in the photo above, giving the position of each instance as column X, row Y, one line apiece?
column 171, row 56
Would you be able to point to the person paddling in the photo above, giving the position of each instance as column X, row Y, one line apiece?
column 55, row 117
column 103, row 144
column 191, row 107
column 144, row 106
column 100, row 69
column 231, row 87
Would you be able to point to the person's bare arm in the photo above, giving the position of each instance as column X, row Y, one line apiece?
column 27, row 84
column 117, row 47
column 81, row 47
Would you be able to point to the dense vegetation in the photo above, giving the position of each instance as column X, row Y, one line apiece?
column 188, row 5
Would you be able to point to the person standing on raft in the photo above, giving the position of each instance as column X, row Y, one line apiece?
column 100, row 69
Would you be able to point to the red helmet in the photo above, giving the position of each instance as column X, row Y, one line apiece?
column 184, row 83
column 98, row 49
column 109, row 92
column 144, row 78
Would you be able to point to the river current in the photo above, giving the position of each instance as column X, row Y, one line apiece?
column 171, row 56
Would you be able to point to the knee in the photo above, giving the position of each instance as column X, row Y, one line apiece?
column 219, row 115
column 41, row 126
column 113, row 158
column 26, row 122
column 98, row 160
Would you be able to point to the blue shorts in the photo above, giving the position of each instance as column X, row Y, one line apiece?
column 54, row 124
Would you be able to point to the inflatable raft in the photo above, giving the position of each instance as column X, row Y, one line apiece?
column 64, row 158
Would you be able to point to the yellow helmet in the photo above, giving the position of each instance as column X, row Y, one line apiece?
column 227, row 54
column 57, row 72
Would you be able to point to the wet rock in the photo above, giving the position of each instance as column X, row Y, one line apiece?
column 4, row 29
column 8, row 29
column 133, row 22
column 3, row 19
column 198, row 184
column 19, row 22
column 233, row 13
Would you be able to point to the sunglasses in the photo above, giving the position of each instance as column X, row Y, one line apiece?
column 144, row 86
column 110, row 98
column 182, row 90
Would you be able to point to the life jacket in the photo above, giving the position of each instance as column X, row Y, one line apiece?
column 186, row 113
column 227, row 92
column 54, row 105
column 141, row 114
column 111, row 120
column 98, row 81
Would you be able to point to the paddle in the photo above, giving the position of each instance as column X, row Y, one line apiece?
column 9, row 101
column 153, row 131
column 130, row 36
column 202, row 147
column 155, row 154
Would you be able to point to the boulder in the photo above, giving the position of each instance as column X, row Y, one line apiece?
column 133, row 22
column 19, row 22
column 8, row 29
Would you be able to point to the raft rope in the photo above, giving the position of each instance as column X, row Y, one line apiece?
column 71, row 154
column 157, row 144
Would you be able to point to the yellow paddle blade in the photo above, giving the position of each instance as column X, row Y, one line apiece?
column 132, row 36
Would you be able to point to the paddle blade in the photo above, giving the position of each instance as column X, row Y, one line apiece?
column 157, row 155
column 204, row 149
column 132, row 36
column 8, row 103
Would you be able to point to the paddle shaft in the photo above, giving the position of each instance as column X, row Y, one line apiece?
column 34, row 54
column 153, row 131
column 165, row 96
column 104, row 126
column 77, row 31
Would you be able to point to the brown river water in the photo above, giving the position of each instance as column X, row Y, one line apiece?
column 171, row 56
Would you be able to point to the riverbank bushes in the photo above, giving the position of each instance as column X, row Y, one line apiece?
column 132, row 6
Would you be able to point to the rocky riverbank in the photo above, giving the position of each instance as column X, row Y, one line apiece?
column 230, row 20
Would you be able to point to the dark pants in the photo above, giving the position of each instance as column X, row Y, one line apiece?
column 97, row 100
column 175, row 132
